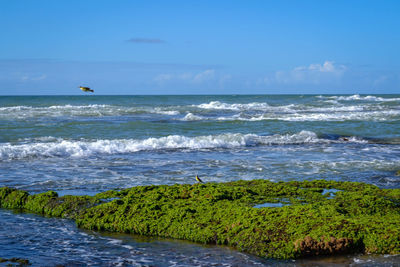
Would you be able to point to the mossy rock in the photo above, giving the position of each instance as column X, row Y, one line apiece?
column 19, row 261
column 357, row 217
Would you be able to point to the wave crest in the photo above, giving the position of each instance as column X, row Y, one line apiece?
column 191, row 117
column 22, row 112
column 360, row 98
column 53, row 147
column 235, row 106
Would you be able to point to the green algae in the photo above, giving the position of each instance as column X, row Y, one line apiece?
column 47, row 204
column 358, row 217
column 19, row 261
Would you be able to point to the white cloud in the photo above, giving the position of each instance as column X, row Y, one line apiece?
column 328, row 66
column 204, row 76
column 313, row 74
column 380, row 80
column 200, row 77
column 225, row 79
column 33, row 77
column 146, row 41
column 185, row 76
column 163, row 78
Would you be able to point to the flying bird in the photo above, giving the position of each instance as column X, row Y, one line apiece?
column 198, row 179
column 86, row 89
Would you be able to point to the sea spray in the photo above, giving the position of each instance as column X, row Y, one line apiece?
column 57, row 147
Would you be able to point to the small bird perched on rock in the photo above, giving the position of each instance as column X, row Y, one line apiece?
column 86, row 89
column 198, row 179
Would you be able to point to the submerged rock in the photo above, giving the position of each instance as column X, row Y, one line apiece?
column 353, row 217
column 19, row 261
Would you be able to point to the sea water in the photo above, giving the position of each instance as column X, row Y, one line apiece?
column 89, row 144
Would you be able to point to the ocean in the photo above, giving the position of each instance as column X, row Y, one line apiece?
column 89, row 144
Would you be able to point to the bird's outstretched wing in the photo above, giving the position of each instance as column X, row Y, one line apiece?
column 86, row 89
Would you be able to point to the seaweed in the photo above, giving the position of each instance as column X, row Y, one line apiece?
column 316, row 217
column 19, row 261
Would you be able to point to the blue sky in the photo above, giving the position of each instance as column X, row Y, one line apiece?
column 199, row 47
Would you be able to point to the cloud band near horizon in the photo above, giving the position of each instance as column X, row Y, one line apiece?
column 146, row 41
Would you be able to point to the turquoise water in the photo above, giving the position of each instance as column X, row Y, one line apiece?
column 88, row 144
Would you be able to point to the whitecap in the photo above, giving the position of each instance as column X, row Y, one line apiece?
column 94, row 110
column 324, row 114
column 164, row 111
column 191, row 117
column 86, row 148
column 236, row 106
column 364, row 98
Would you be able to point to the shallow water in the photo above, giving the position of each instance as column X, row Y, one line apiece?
column 54, row 241
column 88, row 144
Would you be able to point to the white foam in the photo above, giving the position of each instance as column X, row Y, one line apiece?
column 235, row 106
column 345, row 116
column 115, row 241
column 164, row 111
column 361, row 98
column 338, row 108
column 191, row 117
column 324, row 114
column 255, row 111
column 39, row 139
column 86, row 148
column 302, row 112
column 284, row 109
column 23, row 112
column 362, row 164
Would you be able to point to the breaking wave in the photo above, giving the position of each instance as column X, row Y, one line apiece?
column 191, row 117
column 360, row 98
column 322, row 114
column 57, row 147
column 235, row 106
column 220, row 111
column 298, row 112
column 22, row 112
column 386, row 115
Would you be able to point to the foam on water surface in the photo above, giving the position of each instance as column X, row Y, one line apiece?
column 58, row 147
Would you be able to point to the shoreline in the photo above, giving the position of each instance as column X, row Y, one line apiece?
column 298, row 220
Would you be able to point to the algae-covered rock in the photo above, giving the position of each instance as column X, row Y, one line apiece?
column 19, row 261
column 48, row 203
column 351, row 217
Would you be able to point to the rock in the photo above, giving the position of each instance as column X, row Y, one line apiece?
column 358, row 218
